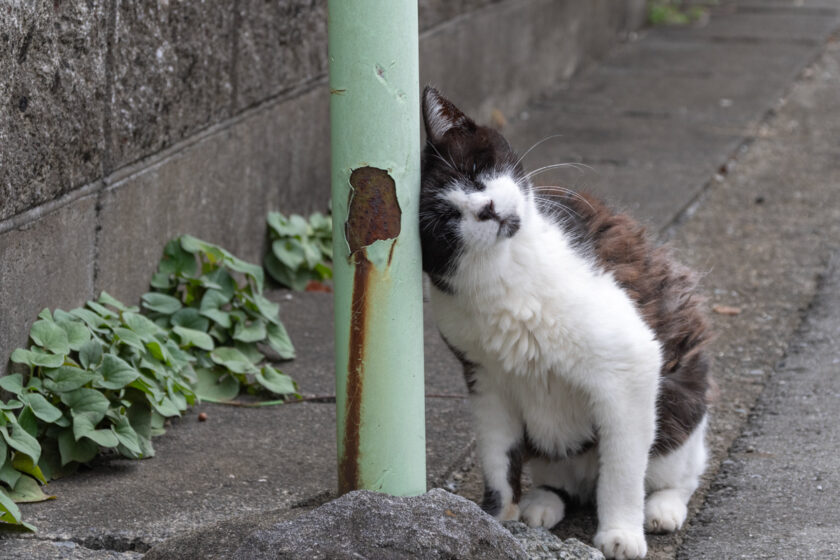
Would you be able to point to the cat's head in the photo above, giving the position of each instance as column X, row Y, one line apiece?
column 474, row 192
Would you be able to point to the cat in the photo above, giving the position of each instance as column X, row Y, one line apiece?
column 583, row 345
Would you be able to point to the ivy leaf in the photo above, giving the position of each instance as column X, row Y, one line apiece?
column 21, row 440
column 166, row 408
column 25, row 464
column 9, row 475
column 50, row 336
column 222, row 278
column 87, row 400
column 27, row 490
column 82, row 451
column 289, row 252
column 127, row 436
column 250, row 332
column 84, row 426
column 161, row 303
column 27, row 420
column 12, row 383
column 9, row 512
column 67, row 378
column 177, row 261
column 41, row 407
column 37, row 357
column 190, row 318
column 232, row 359
column 129, row 337
column 91, row 319
column 101, row 310
column 115, row 372
column 280, row 342
column 192, row 337
column 107, row 299
column 268, row 309
column 214, row 387
column 144, row 328
column 77, row 333
column 275, row 381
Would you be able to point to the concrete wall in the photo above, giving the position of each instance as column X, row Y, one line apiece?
column 124, row 123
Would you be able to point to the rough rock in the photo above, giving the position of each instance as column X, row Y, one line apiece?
column 360, row 524
column 542, row 544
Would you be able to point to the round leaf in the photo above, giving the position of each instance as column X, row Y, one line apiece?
column 21, row 440
column 161, row 303
column 27, row 490
column 67, row 378
column 50, row 336
column 191, row 337
column 250, row 332
column 275, row 381
column 116, row 373
column 214, row 387
column 232, row 359
column 77, row 333
column 41, row 407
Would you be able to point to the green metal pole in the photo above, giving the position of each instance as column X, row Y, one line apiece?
column 375, row 140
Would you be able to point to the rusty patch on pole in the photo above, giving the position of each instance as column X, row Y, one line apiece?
column 373, row 212
column 373, row 215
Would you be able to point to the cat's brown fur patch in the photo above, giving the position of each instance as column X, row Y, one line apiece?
column 664, row 292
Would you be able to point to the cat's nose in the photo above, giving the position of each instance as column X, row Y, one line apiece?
column 488, row 212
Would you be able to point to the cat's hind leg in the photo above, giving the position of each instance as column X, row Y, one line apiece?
column 671, row 480
column 555, row 483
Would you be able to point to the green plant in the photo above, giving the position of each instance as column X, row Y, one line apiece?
column 105, row 376
column 229, row 327
column 674, row 12
column 301, row 249
column 101, row 376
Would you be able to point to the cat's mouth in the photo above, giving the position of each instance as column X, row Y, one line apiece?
column 508, row 225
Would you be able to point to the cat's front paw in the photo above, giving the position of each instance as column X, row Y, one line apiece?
column 621, row 543
column 665, row 512
column 542, row 508
column 509, row 513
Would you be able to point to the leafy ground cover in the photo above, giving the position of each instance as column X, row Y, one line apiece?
column 104, row 377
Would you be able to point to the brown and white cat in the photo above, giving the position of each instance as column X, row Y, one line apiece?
column 582, row 343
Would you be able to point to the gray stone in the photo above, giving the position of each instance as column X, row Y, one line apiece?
column 541, row 544
column 280, row 45
column 52, row 98
column 33, row 549
column 171, row 74
column 46, row 263
column 363, row 525
column 218, row 188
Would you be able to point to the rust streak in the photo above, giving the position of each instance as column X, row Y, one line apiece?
column 348, row 468
column 373, row 214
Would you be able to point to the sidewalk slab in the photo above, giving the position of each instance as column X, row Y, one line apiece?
column 777, row 494
column 660, row 115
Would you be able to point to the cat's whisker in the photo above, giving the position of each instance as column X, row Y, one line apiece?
column 547, row 138
column 450, row 164
column 555, row 205
column 563, row 190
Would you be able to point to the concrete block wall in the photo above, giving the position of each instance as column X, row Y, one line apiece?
column 124, row 124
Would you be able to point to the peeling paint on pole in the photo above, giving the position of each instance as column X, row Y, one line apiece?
column 375, row 141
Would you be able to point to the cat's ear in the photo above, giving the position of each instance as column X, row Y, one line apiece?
column 440, row 115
